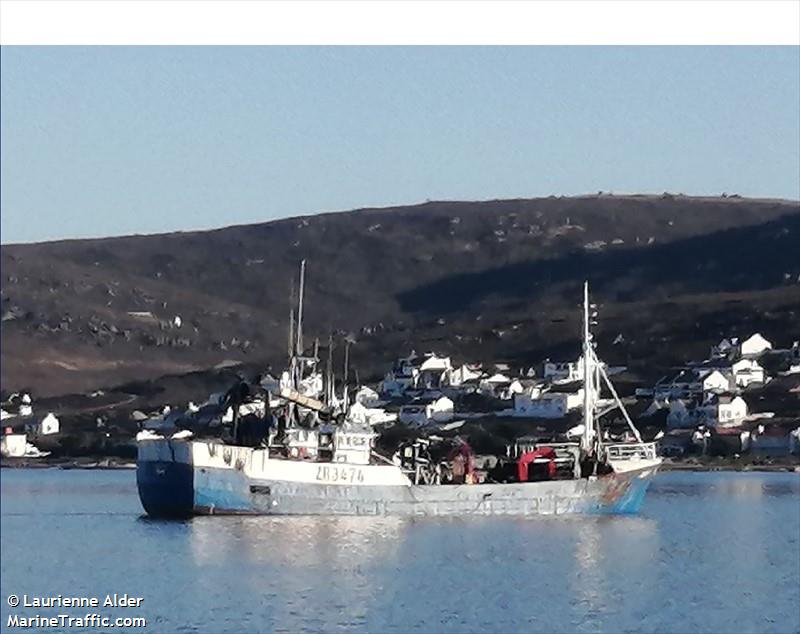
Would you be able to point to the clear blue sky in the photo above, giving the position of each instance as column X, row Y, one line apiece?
column 101, row 141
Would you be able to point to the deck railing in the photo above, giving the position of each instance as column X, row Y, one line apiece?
column 631, row 451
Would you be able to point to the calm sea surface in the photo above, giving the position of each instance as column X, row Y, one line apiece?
column 710, row 552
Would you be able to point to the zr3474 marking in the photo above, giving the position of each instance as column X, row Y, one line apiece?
column 328, row 473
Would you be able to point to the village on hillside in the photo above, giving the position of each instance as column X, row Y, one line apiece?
column 741, row 401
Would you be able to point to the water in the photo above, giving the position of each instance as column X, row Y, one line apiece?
column 710, row 552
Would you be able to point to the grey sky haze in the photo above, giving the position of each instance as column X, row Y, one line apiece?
column 101, row 141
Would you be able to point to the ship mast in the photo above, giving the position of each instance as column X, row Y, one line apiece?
column 290, row 348
column 329, row 385
column 588, row 375
column 594, row 374
column 299, row 346
column 347, row 342
column 296, row 342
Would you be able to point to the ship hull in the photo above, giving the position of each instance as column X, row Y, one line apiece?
column 185, row 478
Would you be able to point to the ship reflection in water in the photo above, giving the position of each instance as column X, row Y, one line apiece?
column 306, row 570
column 298, row 540
column 606, row 550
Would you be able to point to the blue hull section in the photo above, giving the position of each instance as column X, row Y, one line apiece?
column 178, row 490
column 221, row 491
column 166, row 489
column 631, row 499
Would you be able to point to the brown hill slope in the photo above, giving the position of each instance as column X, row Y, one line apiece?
column 87, row 313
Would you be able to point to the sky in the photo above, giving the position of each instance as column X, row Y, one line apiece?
column 100, row 141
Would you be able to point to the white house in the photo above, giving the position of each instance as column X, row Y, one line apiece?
column 754, row 346
column 723, row 410
column 421, row 414
column 692, row 383
column 515, row 387
column 714, row 381
column 746, row 372
column 369, row 415
column 493, row 384
column 463, row 374
column 48, row 425
column 433, row 362
column 441, row 410
column 13, row 445
column 538, row 404
column 433, row 372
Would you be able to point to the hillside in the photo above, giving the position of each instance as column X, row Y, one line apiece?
column 495, row 279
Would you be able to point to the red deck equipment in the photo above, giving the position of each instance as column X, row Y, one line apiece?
column 529, row 456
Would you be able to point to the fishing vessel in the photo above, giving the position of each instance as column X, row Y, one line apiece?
column 331, row 467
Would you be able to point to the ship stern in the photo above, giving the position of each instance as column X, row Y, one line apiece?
column 165, row 478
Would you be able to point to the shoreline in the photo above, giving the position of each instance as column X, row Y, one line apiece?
column 679, row 466
column 103, row 464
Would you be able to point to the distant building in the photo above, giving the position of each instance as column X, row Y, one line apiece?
column 723, row 409
column 747, row 372
column 464, row 374
column 563, row 372
column 732, row 348
column 515, row 387
column 48, row 425
column 725, row 349
column 13, row 445
column 692, row 383
column 754, row 346
column 420, row 414
column 441, row 410
column 25, row 409
column 538, row 404
column 494, row 384
column 402, row 376
column 369, row 415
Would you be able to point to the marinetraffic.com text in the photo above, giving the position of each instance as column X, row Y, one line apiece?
column 88, row 619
